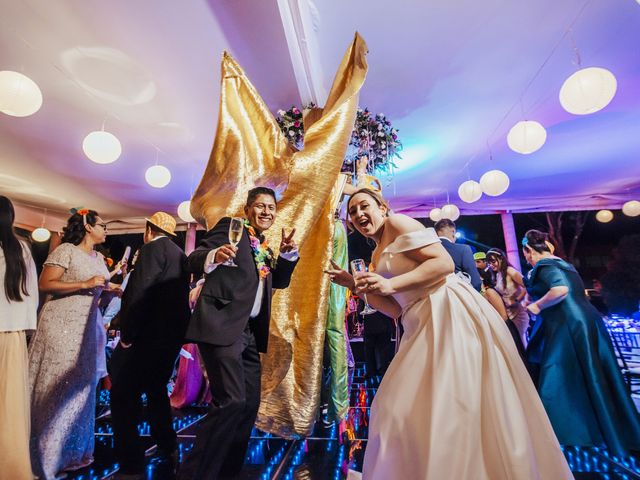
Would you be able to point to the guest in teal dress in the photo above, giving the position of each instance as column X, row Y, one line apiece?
column 578, row 379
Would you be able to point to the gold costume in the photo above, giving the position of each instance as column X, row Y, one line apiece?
column 250, row 150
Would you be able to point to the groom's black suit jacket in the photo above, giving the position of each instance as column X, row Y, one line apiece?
column 226, row 300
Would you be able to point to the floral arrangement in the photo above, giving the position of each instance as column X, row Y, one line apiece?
column 292, row 126
column 261, row 253
column 373, row 136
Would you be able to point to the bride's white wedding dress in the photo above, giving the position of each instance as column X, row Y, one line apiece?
column 457, row 401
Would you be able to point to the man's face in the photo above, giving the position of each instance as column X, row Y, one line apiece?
column 481, row 264
column 147, row 235
column 262, row 212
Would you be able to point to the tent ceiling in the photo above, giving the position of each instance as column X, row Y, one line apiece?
column 453, row 77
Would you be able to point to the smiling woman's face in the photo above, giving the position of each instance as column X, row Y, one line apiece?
column 366, row 215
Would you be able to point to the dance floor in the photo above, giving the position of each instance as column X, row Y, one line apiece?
column 322, row 456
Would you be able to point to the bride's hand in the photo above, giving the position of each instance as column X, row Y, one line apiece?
column 370, row 282
column 339, row 276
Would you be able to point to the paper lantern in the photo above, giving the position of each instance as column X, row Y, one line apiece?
column 158, row 176
column 451, row 212
column 470, row 191
column 41, row 234
column 494, row 183
column 632, row 207
column 101, row 147
column 435, row 214
column 526, row 137
column 604, row 216
column 184, row 212
column 588, row 90
column 19, row 95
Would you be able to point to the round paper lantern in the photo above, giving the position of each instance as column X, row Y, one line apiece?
column 184, row 212
column 451, row 212
column 470, row 191
column 101, row 147
column 494, row 183
column 604, row 216
column 19, row 95
column 632, row 207
column 526, row 137
column 158, row 176
column 41, row 234
column 435, row 214
column 588, row 90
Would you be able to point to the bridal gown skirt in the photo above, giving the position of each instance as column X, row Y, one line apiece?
column 457, row 401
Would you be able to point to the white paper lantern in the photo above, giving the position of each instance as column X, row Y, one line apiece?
column 41, row 234
column 19, row 95
column 435, row 214
column 588, row 90
column 632, row 207
column 158, row 176
column 101, row 147
column 494, row 183
column 604, row 216
column 451, row 212
column 526, row 137
column 184, row 212
column 470, row 191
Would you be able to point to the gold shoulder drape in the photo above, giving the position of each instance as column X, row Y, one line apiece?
column 249, row 150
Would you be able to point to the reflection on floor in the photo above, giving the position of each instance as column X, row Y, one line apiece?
column 322, row 456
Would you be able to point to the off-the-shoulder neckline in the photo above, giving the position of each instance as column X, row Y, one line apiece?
column 424, row 230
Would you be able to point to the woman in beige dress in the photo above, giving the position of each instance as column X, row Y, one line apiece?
column 63, row 355
column 456, row 401
column 18, row 309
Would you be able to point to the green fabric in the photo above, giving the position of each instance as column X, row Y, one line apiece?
column 336, row 336
column 579, row 380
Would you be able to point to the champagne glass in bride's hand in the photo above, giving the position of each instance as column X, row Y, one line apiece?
column 358, row 268
column 235, row 234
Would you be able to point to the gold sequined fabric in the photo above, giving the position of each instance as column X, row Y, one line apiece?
column 249, row 150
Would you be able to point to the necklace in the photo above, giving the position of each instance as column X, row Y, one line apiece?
column 261, row 252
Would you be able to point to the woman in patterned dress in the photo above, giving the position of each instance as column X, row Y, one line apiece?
column 63, row 354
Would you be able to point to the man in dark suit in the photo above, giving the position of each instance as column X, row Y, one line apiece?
column 461, row 254
column 153, row 321
column 379, row 348
column 230, row 323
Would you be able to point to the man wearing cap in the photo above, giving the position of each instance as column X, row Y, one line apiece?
column 230, row 323
column 461, row 254
column 153, row 319
column 481, row 260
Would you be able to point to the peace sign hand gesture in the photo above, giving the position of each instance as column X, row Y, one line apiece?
column 288, row 244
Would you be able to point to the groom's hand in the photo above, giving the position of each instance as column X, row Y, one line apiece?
column 288, row 244
column 225, row 252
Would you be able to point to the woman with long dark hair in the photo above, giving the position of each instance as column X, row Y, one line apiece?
column 578, row 378
column 63, row 355
column 510, row 285
column 18, row 310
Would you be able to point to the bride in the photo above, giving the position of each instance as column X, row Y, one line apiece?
column 456, row 401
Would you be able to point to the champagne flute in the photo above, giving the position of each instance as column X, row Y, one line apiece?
column 235, row 234
column 358, row 268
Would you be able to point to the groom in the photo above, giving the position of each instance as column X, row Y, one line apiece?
column 230, row 323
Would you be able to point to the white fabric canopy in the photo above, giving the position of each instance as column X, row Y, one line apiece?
column 454, row 77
